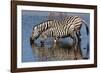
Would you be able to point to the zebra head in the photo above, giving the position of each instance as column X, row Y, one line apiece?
column 35, row 33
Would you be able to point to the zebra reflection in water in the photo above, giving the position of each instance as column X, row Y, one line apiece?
column 61, row 51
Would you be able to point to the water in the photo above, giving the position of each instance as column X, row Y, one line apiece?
column 30, row 19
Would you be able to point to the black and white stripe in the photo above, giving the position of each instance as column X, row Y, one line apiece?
column 43, row 26
column 70, row 25
column 74, row 23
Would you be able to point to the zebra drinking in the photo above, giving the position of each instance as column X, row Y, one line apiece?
column 69, row 26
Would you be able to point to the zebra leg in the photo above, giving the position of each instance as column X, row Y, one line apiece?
column 78, row 45
column 55, row 42
column 75, row 38
column 79, row 35
column 43, row 38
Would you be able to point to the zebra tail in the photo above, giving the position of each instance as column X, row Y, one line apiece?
column 86, row 25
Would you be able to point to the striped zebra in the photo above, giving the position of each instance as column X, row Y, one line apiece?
column 70, row 26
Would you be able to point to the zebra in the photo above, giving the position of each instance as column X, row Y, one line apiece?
column 70, row 26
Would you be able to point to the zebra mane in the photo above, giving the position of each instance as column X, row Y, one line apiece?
column 42, row 22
